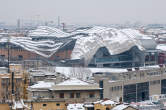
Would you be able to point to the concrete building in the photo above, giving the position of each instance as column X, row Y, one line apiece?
column 133, row 86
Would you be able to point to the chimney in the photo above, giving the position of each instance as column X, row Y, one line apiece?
column 129, row 69
column 137, row 68
column 161, row 65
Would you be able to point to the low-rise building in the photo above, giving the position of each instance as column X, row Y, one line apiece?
column 104, row 105
column 46, row 104
column 71, row 90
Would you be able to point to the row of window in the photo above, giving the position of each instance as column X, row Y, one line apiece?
column 116, row 88
column 105, row 109
column 76, row 95
column 149, row 58
column 119, row 88
column 57, row 104
column 6, row 81
column 153, row 73
column 155, row 82
column 19, row 56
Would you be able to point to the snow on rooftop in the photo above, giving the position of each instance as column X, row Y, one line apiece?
column 17, row 105
column 116, row 41
column 84, row 73
column 73, row 81
column 48, row 32
column 108, row 102
column 77, row 106
column 161, row 47
column 42, row 84
column 44, row 48
column 135, row 34
column 120, row 107
column 88, row 72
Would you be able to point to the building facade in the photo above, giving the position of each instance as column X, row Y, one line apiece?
column 134, row 86
column 71, row 90
column 11, row 84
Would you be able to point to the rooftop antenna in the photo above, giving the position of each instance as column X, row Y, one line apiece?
column 18, row 25
column 63, row 26
column 58, row 21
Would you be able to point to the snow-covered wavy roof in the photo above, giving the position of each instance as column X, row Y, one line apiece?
column 116, row 41
column 88, row 41
column 48, row 31
column 44, row 48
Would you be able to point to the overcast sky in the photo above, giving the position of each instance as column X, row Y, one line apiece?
column 85, row 11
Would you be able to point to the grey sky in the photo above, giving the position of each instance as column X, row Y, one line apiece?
column 85, row 11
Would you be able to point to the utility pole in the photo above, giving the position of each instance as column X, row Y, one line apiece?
column 8, row 41
column 8, row 54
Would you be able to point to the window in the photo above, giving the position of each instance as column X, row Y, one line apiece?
column 147, row 58
column 112, row 88
column 58, row 104
column 90, row 108
column 20, row 57
column 91, row 95
column 77, row 95
column 18, row 80
column 3, row 56
column 5, row 82
column 71, row 95
column 61, row 95
column 116, row 88
column 44, row 105
column 152, row 58
column 141, row 74
column 155, row 82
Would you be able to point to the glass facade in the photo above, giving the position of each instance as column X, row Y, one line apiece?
column 136, row 92
column 163, row 86
column 101, row 91
column 142, row 91
column 130, row 58
column 129, row 93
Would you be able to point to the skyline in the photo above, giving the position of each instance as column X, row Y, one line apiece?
column 84, row 12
